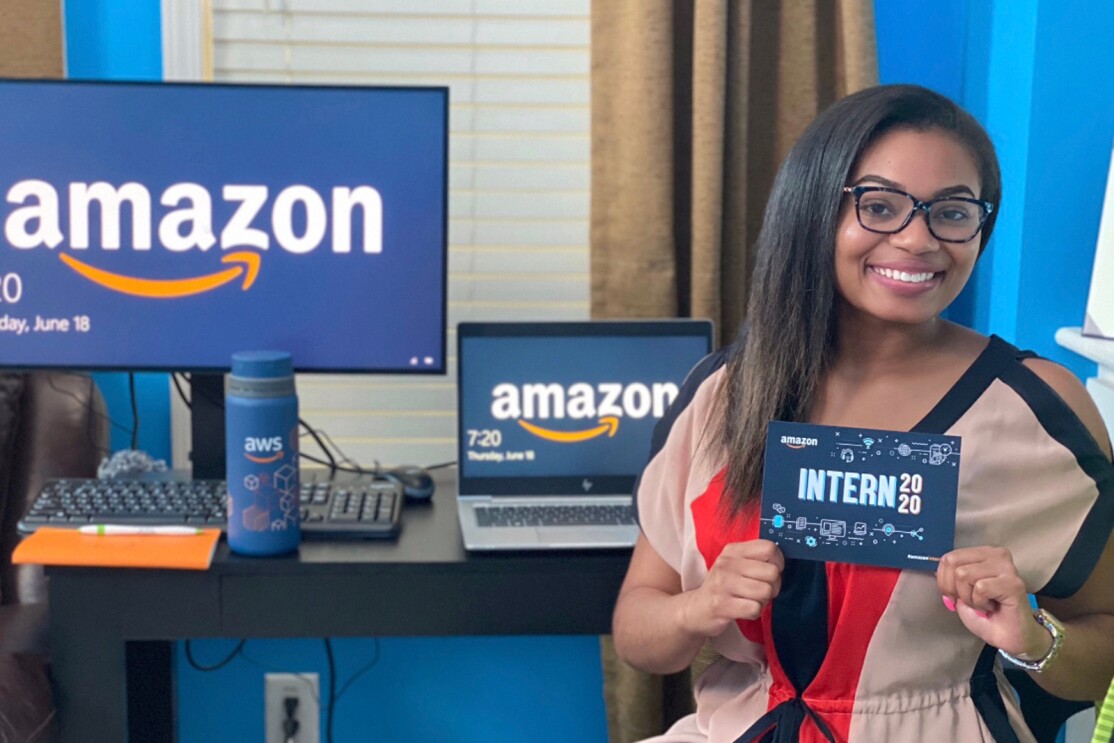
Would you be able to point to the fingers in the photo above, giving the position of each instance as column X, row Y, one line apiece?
column 968, row 576
column 755, row 589
column 743, row 580
column 759, row 571
column 981, row 577
column 761, row 550
column 946, row 573
column 723, row 610
column 746, row 597
column 988, row 593
column 760, row 560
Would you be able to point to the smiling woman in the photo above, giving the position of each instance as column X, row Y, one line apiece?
column 846, row 331
column 891, row 265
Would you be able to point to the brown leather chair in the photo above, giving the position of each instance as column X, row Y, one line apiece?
column 52, row 424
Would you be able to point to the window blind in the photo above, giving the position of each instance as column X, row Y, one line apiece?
column 518, row 79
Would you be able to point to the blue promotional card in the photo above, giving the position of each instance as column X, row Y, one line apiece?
column 856, row 495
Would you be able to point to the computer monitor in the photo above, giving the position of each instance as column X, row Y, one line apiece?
column 165, row 226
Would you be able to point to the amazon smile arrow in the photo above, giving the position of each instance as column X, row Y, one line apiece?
column 170, row 288
column 608, row 424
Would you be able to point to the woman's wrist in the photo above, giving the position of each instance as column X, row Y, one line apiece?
column 1037, row 643
column 1040, row 652
column 694, row 620
column 686, row 619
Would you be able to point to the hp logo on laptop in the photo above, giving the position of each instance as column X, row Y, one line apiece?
column 587, row 484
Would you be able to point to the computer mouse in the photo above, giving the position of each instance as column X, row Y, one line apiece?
column 417, row 483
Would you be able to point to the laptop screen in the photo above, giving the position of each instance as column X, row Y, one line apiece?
column 566, row 408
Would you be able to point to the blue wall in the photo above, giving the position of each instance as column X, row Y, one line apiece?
column 113, row 40
column 907, row 53
column 459, row 689
column 1032, row 71
column 1071, row 130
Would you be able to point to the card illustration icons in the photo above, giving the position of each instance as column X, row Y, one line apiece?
column 863, row 496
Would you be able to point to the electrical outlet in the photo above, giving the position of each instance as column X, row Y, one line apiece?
column 277, row 688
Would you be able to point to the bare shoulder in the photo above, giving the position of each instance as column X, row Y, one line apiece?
column 1071, row 390
column 962, row 344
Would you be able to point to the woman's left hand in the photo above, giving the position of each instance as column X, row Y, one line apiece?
column 991, row 600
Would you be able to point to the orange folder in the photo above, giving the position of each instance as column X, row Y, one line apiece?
column 49, row 546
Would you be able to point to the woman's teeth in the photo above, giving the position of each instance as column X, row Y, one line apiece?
column 909, row 278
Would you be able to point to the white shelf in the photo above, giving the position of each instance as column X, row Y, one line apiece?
column 1099, row 350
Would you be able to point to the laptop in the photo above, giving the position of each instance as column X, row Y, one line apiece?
column 554, row 426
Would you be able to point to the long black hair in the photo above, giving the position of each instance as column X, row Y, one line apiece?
column 776, row 365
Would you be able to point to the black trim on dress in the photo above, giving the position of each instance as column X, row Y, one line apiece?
column 1063, row 425
column 799, row 623
column 971, row 385
column 705, row 368
column 988, row 698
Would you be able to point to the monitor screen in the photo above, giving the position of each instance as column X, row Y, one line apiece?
column 542, row 406
column 167, row 226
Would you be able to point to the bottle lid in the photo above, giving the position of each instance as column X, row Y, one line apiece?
column 262, row 364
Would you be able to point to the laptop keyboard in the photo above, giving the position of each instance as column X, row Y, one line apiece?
column 336, row 511
column 544, row 515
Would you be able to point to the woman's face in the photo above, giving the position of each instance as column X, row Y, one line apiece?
column 909, row 276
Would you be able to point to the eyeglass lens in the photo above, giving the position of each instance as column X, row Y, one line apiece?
column 949, row 219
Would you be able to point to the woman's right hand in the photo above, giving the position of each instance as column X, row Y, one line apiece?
column 744, row 578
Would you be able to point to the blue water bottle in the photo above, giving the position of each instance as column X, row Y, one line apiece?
column 261, row 435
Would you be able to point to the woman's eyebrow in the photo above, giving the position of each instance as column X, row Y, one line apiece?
column 948, row 191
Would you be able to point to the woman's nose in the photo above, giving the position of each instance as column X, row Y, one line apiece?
column 916, row 237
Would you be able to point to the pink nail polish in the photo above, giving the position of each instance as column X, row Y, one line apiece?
column 982, row 614
column 949, row 603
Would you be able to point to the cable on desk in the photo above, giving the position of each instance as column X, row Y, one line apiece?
column 332, row 690
column 339, row 467
column 135, row 410
column 316, row 437
column 218, row 665
column 175, row 378
column 323, row 440
column 344, row 458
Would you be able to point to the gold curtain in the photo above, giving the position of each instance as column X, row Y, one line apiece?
column 694, row 105
column 31, row 38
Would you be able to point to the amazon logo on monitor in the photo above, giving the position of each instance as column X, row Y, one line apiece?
column 188, row 225
column 580, row 411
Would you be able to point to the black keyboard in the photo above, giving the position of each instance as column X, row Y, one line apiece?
column 543, row 515
column 362, row 509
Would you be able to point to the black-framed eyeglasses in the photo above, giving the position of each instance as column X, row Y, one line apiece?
column 950, row 219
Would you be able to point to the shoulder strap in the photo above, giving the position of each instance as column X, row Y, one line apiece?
column 699, row 374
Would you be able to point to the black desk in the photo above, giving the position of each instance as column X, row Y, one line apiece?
column 112, row 630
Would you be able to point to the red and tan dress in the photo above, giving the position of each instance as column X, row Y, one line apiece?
column 852, row 653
